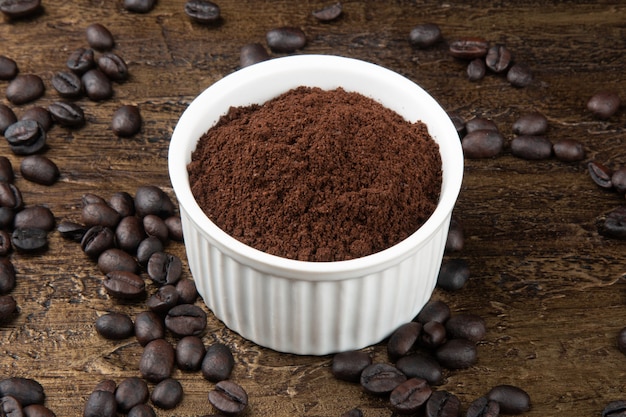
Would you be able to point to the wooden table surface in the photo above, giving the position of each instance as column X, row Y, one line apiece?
column 547, row 285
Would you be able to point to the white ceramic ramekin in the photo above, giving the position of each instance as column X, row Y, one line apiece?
column 313, row 307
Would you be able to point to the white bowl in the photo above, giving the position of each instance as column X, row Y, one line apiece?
column 303, row 307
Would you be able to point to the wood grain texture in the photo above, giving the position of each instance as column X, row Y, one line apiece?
column 546, row 283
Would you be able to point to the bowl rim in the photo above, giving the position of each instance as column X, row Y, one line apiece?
column 178, row 158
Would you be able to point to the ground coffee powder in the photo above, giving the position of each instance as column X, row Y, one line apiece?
column 317, row 175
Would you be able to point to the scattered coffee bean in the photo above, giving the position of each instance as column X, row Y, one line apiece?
column 443, row 404
column 7, row 117
column 453, row 274
column 100, row 404
column 40, row 115
column 355, row 412
column 328, row 13
column 519, row 75
column 218, row 363
column 186, row 320
column 131, row 392
column 512, row 399
column 99, row 37
column 124, row 285
column 5, row 248
column 25, row 137
column 100, row 214
column 614, row 409
column 29, row 239
column 498, row 58
column 6, row 170
column 285, row 39
column 381, row 378
column 252, row 53
column 113, row 66
column 600, row 174
column 155, row 226
column 97, row 85
column 480, row 123
column 16, row 9
column 482, row 144
column 604, row 104
column 469, row 48
column 456, row 238
column 129, row 233
column 187, row 291
column 150, row 199
column 228, row 398
column 10, row 407
column 532, row 124
column 37, row 216
column 157, row 360
column 467, row 326
column 148, row 327
column 167, row 394
column 123, row 203
column 459, row 124
column 8, row 306
column 164, row 299
column 115, row 326
column 8, row 68
column 7, row 274
column 425, row 35
column 613, row 223
column 96, row 240
column 10, row 196
column 190, row 352
column 147, row 248
column 174, row 228
column 39, row 169
column 476, row 69
column 71, row 230
column 139, row 6
column 568, row 150
column 25, row 88
column 164, row 268
column 106, row 385
column 457, row 354
column 126, row 121
column 81, row 60
column 434, row 310
column 531, row 147
column 433, row 334
column 202, row 11
column 116, row 259
column 408, row 397
column 402, row 339
column 141, row 410
column 38, row 410
column 67, row 114
column 618, row 179
column 483, row 407
column 26, row 391
column 6, row 216
column 67, row 84
column 348, row 366
column 418, row 365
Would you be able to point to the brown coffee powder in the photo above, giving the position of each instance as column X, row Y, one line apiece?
column 317, row 175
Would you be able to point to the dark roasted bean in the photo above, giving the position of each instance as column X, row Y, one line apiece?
column 146, row 248
column 5, row 248
column 38, row 217
column 443, row 404
column 229, row 398
column 8, row 306
column 498, row 58
column 482, row 144
column 40, row 115
column 328, row 13
column 613, row 223
column 419, row 365
column 453, row 274
column 425, row 35
column 186, row 320
column 124, row 284
column 100, row 404
column 131, row 392
column 148, row 327
column 190, row 352
column 96, row 240
column 408, row 397
column 618, row 179
column 476, row 69
column 6, row 170
column 531, row 147
column 10, row 196
column 81, row 60
column 457, row 354
column 157, row 360
column 6, row 216
column 29, row 239
column 434, row 310
column 39, row 169
column 72, row 231
column 165, row 298
column 115, row 259
column 355, row 412
column 456, row 238
column 519, row 75
column 126, row 121
column 16, row 9
column 139, row 6
column 97, row 85
column 174, row 228
column 106, row 385
column 67, row 84
column 285, row 39
column 25, row 137
column 164, row 268
column 7, row 273
column 218, row 363
column 483, row 407
column 469, row 48
column 8, row 68
column 25, row 390
column 115, row 326
column 25, row 88
column 167, row 394
column 187, row 291
column 467, row 326
column 7, row 117
column 100, row 214
column 141, row 410
column 402, row 339
column 381, row 378
column 604, row 104
column 155, row 226
column 202, row 11
column 10, row 407
column 99, row 37
column 480, row 123
column 433, row 334
column 347, row 366
column 568, row 150
column 38, row 410
column 129, row 233
column 123, row 203
column 252, row 53
column 512, row 399
column 113, row 66
column 67, row 114
column 600, row 174
column 532, row 124
column 614, row 409
column 459, row 124
column 150, row 199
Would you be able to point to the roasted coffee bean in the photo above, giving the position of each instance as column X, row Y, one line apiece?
column 20, row 8
column 402, row 339
column 498, row 58
column 228, row 398
column 25, row 137
column 443, row 404
column 81, row 60
column 106, row 385
column 165, row 298
column 96, row 240
column 604, row 104
column 148, row 327
column 600, row 174
column 90, row 198
column 29, row 239
column 99, row 37
column 434, row 310
column 26, row 391
column 25, row 88
column 39, row 217
column 467, row 326
column 469, row 48
column 126, row 121
column 476, row 69
column 5, row 248
column 618, row 179
column 10, row 407
column 532, row 124
column 613, row 223
column 483, row 407
column 116, row 259
column 124, row 285
column 381, row 378
column 67, row 84
column 147, row 248
column 433, row 334
column 6, row 170
column 480, row 123
column 512, row 399
column 139, row 6
column 40, row 115
column 131, row 392
column 190, row 352
column 8, row 306
column 202, row 11
column 100, row 404
column 453, row 274
column 38, row 410
column 113, row 66
column 7, row 274
column 100, row 214
column 97, row 85
column 218, row 363
column 71, row 230
column 6, row 217
column 285, row 39
column 408, row 397
column 348, row 366
column 456, row 238
column 67, row 114
column 129, row 233
column 141, row 410
column 615, row 409
column 355, row 412
column 39, row 169
column 115, row 326
column 482, row 144
column 155, row 226
column 568, row 150
column 328, row 13
column 10, row 196
column 457, row 354
column 519, row 75
column 167, row 394
column 531, row 147
column 418, row 365
column 164, row 268
column 459, row 124
column 123, row 203
column 252, row 53
column 187, row 291
column 174, row 228
column 425, row 35
column 150, row 199
column 8, row 68
column 157, row 360
column 7, row 117
column 186, row 320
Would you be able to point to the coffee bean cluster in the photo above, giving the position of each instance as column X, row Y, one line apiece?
column 22, row 397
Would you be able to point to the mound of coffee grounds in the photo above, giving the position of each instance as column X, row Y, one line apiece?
column 317, row 175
